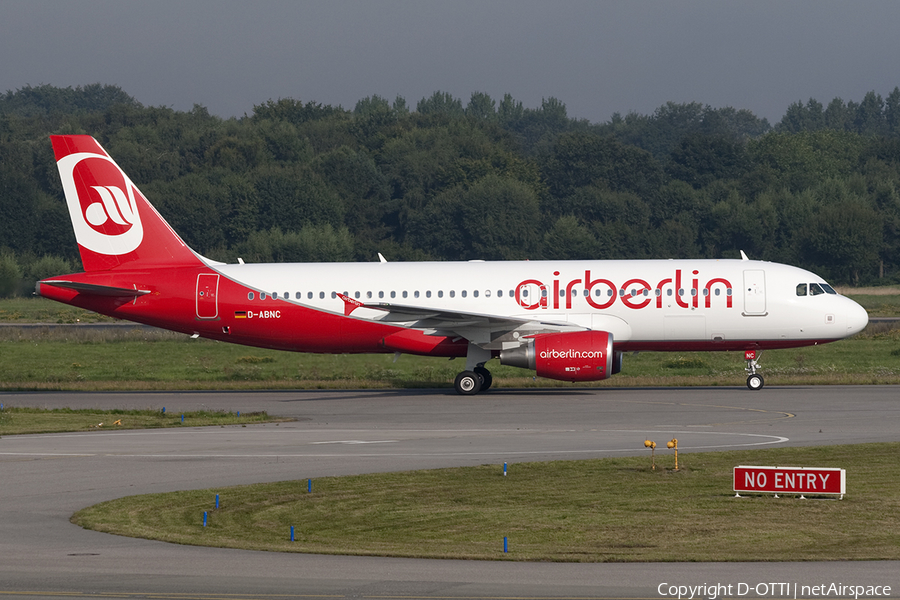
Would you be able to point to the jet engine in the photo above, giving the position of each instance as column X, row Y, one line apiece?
column 572, row 356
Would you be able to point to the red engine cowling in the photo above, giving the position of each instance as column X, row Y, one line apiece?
column 573, row 356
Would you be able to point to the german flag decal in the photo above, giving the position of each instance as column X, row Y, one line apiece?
column 240, row 314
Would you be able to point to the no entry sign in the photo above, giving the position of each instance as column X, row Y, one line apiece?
column 790, row 480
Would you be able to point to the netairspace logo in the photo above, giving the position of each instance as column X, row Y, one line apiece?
column 712, row 591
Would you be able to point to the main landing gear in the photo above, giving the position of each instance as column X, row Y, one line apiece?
column 471, row 382
column 475, row 378
column 755, row 381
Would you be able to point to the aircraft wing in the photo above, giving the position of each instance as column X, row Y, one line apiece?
column 483, row 329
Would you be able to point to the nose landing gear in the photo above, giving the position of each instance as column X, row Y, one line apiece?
column 755, row 381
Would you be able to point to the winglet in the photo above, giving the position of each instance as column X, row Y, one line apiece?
column 744, row 256
column 349, row 304
column 381, row 258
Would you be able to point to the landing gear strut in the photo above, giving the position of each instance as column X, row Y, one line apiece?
column 755, row 381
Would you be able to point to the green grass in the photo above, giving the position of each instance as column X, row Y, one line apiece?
column 19, row 420
column 41, row 310
column 135, row 359
column 587, row 511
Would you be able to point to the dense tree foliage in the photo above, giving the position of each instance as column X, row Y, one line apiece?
column 482, row 179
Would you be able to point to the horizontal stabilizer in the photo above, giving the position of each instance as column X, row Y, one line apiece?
column 94, row 289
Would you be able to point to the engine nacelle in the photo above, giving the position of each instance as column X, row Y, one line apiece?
column 573, row 356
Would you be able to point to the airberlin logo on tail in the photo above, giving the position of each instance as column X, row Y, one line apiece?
column 101, row 202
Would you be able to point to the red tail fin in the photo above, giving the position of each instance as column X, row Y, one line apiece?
column 114, row 223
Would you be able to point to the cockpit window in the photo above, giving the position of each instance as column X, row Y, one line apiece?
column 828, row 289
column 801, row 289
column 815, row 289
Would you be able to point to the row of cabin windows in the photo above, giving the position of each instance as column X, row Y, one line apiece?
column 814, row 289
column 487, row 293
column 371, row 295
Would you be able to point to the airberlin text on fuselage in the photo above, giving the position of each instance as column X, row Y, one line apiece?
column 635, row 293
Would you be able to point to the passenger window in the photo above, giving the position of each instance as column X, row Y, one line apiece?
column 416, row 294
column 368, row 294
column 815, row 290
column 405, row 294
column 452, row 293
column 309, row 295
column 262, row 295
column 381, row 294
column 428, row 294
column 440, row 293
column 321, row 295
column 464, row 293
column 393, row 294
column 274, row 295
column 356, row 295
column 801, row 289
column 669, row 292
column 474, row 293
column 297, row 295
column 250, row 296
column 287, row 295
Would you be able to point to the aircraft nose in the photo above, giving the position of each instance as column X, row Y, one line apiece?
column 857, row 318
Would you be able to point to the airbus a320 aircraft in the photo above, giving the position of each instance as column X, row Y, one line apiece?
column 567, row 320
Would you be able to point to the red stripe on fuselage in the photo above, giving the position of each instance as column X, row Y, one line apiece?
column 269, row 323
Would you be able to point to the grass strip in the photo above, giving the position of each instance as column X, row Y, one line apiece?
column 140, row 359
column 19, row 420
column 605, row 510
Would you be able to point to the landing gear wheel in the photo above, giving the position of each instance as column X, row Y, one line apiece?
column 755, row 382
column 486, row 378
column 467, row 383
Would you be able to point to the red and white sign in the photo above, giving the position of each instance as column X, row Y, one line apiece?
column 790, row 480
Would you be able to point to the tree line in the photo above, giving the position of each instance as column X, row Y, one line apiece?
column 487, row 179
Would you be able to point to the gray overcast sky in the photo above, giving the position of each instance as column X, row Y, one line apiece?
column 598, row 57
